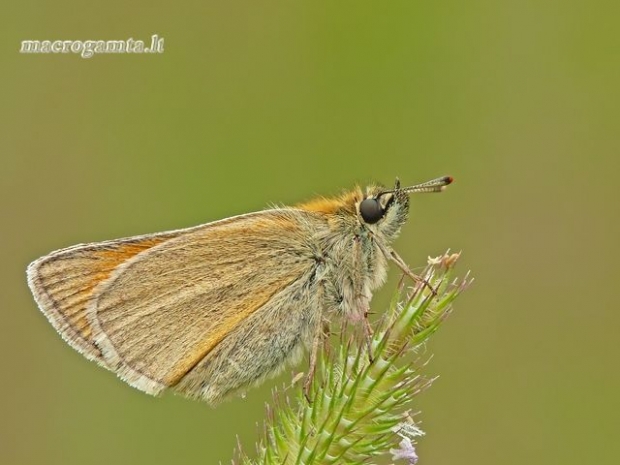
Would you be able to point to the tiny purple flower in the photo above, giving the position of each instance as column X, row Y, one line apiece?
column 406, row 451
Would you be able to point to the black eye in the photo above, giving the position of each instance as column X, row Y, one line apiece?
column 371, row 211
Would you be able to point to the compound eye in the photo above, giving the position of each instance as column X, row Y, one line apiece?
column 371, row 211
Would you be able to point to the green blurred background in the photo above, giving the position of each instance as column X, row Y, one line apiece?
column 260, row 102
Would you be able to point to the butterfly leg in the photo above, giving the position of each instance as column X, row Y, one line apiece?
column 392, row 255
column 369, row 333
column 314, row 350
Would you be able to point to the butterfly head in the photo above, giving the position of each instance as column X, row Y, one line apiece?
column 384, row 211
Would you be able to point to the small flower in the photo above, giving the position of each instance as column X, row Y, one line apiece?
column 406, row 452
column 408, row 429
column 446, row 260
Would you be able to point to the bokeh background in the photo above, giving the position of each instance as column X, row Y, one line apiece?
column 260, row 102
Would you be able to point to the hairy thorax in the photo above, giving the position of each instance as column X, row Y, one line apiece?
column 349, row 268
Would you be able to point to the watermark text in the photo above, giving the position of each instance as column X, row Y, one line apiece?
column 88, row 48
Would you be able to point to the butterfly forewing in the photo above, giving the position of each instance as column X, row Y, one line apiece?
column 152, row 308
